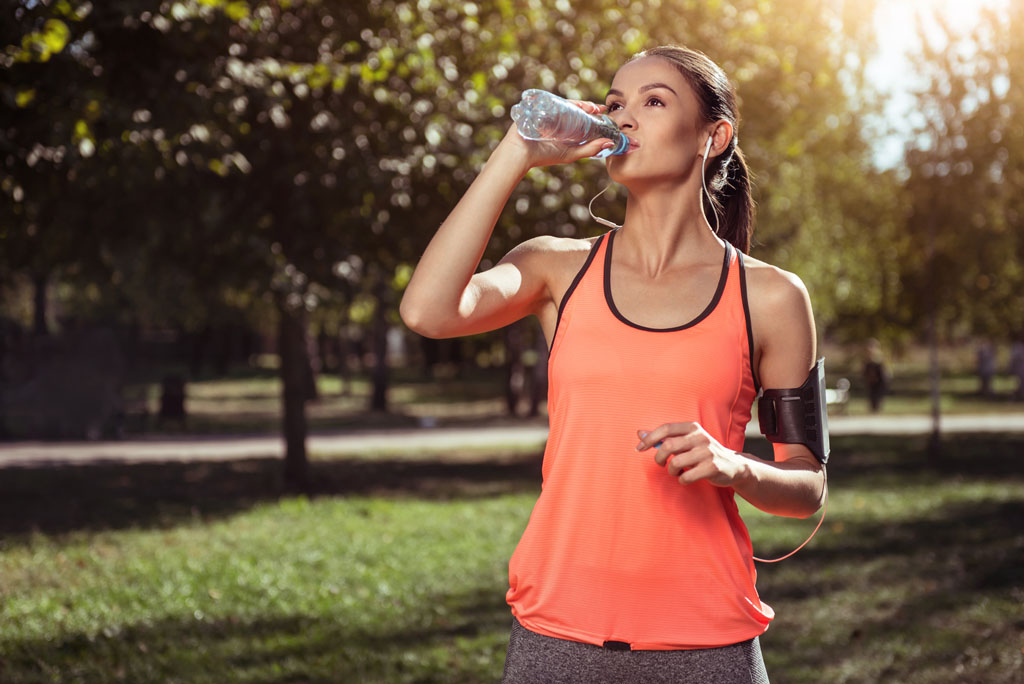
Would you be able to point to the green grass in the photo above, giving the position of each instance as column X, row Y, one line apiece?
column 395, row 571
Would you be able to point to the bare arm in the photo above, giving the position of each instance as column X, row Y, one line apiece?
column 795, row 483
column 445, row 297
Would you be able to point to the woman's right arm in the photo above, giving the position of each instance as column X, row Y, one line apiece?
column 446, row 297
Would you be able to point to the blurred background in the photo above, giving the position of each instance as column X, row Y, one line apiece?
column 209, row 210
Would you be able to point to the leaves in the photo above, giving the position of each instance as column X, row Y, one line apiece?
column 324, row 132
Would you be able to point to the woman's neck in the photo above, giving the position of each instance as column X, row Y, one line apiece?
column 665, row 230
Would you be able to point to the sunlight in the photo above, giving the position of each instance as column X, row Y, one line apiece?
column 891, row 70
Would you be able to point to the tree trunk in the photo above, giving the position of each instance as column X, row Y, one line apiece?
column 223, row 349
column 431, row 354
column 379, row 399
column 935, row 441
column 539, row 384
column 312, row 363
column 294, row 371
column 39, row 283
column 200, row 344
column 345, row 351
column 515, row 375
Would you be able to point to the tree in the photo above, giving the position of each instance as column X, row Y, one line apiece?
column 290, row 161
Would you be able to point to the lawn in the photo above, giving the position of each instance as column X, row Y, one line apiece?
column 395, row 570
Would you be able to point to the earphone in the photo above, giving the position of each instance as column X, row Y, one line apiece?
column 703, row 184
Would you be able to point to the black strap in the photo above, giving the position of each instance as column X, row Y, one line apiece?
column 798, row 415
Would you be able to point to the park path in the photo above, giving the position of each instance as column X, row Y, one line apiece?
column 434, row 440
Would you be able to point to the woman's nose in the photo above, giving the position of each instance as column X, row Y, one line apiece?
column 624, row 119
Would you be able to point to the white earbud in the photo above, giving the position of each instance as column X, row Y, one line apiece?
column 704, row 187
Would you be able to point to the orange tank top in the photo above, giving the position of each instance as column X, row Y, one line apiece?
column 616, row 549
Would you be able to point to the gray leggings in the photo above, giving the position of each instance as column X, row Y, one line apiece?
column 537, row 659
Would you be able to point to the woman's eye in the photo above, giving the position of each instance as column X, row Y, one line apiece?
column 654, row 99
column 612, row 106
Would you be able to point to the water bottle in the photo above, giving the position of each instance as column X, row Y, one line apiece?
column 541, row 115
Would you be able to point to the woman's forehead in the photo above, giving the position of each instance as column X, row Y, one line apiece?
column 648, row 70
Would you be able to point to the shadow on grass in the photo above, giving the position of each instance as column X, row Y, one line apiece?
column 468, row 646
column 931, row 588
column 114, row 495
column 929, row 593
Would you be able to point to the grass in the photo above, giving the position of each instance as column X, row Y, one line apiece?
column 395, row 571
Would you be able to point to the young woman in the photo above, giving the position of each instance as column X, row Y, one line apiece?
column 635, row 565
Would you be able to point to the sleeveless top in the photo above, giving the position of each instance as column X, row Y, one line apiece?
column 616, row 549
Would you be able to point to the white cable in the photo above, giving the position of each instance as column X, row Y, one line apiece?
column 824, row 509
column 603, row 222
column 703, row 184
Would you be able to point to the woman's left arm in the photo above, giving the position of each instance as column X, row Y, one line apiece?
column 794, row 484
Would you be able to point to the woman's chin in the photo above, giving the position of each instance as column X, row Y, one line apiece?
column 620, row 173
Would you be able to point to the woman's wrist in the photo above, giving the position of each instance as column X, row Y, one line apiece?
column 511, row 156
column 746, row 475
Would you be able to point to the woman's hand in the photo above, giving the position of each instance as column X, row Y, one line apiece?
column 534, row 153
column 691, row 454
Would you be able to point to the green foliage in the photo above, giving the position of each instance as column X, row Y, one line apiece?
column 293, row 150
column 964, row 174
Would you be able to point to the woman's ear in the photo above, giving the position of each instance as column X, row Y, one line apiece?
column 721, row 135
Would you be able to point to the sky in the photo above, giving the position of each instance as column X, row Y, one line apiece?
column 895, row 26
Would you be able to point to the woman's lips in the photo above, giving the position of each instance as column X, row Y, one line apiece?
column 633, row 144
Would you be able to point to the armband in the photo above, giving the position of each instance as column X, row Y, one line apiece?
column 797, row 416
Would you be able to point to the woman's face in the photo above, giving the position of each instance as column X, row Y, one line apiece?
column 654, row 105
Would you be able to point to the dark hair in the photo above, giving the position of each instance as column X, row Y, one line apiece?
column 727, row 177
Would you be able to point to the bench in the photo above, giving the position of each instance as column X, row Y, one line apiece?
column 839, row 396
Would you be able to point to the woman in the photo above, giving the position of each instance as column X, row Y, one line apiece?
column 635, row 565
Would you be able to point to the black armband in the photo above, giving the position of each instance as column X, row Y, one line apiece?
column 797, row 416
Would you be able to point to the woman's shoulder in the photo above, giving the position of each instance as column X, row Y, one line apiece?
column 557, row 255
column 771, row 283
column 551, row 244
column 776, row 294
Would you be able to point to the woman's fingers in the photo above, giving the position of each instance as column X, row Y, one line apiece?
column 704, row 470
column 590, row 107
column 595, row 147
column 660, row 433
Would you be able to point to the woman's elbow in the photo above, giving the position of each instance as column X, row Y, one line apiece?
column 816, row 500
column 421, row 320
column 413, row 317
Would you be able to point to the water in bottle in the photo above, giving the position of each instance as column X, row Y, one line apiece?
column 541, row 115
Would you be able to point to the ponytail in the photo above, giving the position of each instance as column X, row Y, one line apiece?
column 736, row 204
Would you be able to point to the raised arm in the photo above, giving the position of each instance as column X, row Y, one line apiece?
column 445, row 297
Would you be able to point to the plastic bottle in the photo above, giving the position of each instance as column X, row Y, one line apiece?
column 541, row 115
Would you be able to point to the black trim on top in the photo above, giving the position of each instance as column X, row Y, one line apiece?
column 746, row 315
column 572, row 286
column 704, row 314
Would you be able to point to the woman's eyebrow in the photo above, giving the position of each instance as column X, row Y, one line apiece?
column 644, row 89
